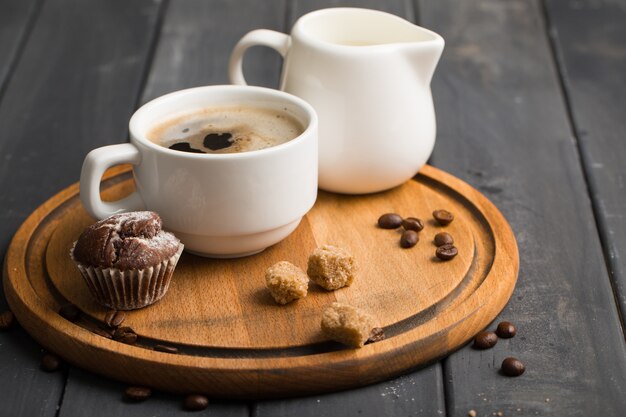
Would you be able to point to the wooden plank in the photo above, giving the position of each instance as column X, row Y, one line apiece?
column 93, row 395
column 26, row 389
column 402, row 8
column 197, row 38
column 73, row 89
column 86, row 91
column 16, row 19
column 589, row 37
column 503, row 126
column 408, row 395
column 419, row 393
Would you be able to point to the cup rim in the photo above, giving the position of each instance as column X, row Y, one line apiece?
column 137, row 135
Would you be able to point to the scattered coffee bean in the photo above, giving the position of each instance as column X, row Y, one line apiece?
column 108, row 317
column 389, row 221
column 413, row 223
column 506, row 330
column 446, row 252
column 114, row 318
column 485, row 340
column 166, row 349
column 376, row 335
column 409, row 238
column 101, row 332
column 195, row 402
column 125, row 335
column 137, row 394
column 69, row 312
column 6, row 320
column 443, row 238
column 512, row 367
column 443, row 217
column 50, row 362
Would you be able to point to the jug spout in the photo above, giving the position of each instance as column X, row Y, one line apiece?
column 424, row 54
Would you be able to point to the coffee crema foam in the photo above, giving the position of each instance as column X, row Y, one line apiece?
column 219, row 130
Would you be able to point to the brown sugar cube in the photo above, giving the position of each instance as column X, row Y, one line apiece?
column 331, row 267
column 286, row 282
column 348, row 325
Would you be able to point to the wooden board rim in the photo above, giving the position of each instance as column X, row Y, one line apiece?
column 270, row 372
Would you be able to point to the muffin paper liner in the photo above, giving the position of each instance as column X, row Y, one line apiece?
column 131, row 289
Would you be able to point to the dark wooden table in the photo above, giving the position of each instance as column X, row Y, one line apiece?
column 531, row 110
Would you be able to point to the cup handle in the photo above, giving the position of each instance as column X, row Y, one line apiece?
column 264, row 37
column 98, row 161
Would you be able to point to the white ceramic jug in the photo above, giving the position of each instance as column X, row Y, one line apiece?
column 367, row 75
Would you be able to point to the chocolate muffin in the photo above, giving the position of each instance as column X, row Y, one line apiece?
column 127, row 260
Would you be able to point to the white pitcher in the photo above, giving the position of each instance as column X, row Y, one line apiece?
column 367, row 75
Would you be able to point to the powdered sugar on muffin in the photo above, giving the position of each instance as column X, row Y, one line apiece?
column 126, row 241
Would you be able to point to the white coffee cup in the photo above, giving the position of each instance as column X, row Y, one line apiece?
column 367, row 74
column 219, row 205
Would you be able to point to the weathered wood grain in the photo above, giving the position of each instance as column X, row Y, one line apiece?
column 197, row 38
column 503, row 126
column 415, row 394
column 26, row 389
column 16, row 19
column 590, row 42
column 403, row 8
column 91, row 394
column 73, row 89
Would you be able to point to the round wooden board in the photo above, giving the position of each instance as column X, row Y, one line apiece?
column 233, row 340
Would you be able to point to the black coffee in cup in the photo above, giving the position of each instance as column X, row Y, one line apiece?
column 226, row 130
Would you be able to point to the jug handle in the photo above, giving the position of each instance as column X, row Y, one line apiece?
column 263, row 37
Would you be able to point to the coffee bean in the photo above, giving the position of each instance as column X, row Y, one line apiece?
column 50, row 362
column 512, row 367
column 114, row 318
column 69, row 312
column 6, row 320
column 118, row 319
column 137, row 394
column 166, row 349
column 443, row 217
column 506, row 330
column 195, row 402
column 443, row 238
column 409, row 238
column 389, row 221
column 109, row 316
column 413, row 223
column 102, row 332
column 125, row 335
column 376, row 335
column 485, row 340
column 446, row 252
column 129, row 338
